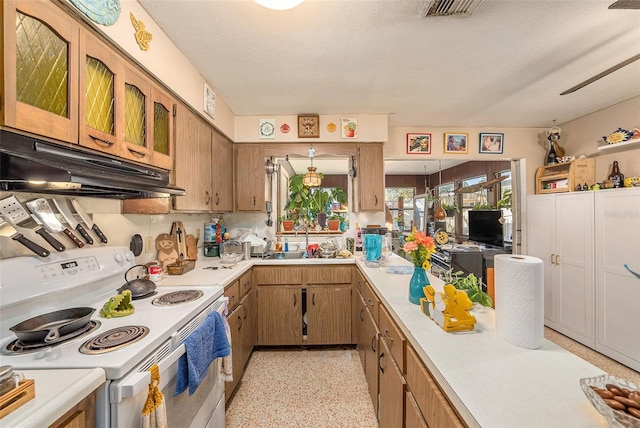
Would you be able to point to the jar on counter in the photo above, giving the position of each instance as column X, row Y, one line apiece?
column 211, row 249
column 9, row 379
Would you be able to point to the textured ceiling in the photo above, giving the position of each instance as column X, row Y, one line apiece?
column 503, row 66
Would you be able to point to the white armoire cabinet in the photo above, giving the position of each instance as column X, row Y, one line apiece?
column 560, row 231
column 617, row 226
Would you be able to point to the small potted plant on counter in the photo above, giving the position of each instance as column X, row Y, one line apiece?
column 471, row 285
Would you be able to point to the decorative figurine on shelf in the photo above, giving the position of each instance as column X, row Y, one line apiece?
column 555, row 150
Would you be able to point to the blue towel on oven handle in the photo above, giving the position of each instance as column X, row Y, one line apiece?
column 208, row 342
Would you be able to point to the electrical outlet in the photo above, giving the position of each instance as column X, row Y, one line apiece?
column 148, row 245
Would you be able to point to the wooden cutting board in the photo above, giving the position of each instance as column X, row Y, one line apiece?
column 180, row 237
column 192, row 247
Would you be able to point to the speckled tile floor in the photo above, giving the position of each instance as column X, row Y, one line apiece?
column 327, row 388
column 597, row 359
column 302, row 388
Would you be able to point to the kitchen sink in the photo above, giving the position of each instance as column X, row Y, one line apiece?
column 287, row 255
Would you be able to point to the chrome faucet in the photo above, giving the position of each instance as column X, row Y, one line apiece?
column 302, row 225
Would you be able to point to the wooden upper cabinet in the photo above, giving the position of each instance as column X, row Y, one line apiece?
column 161, row 129
column 222, row 173
column 100, row 76
column 371, row 177
column 192, row 161
column 40, row 91
column 250, row 177
column 136, row 104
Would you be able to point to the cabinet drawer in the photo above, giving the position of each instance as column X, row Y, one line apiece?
column 371, row 301
column 232, row 291
column 390, row 332
column 245, row 283
column 328, row 275
column 277, row 275
column 432, row 402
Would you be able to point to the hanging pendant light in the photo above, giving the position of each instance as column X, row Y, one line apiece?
column 311, row 178
column 279, row 4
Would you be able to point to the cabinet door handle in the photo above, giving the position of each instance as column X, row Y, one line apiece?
column 376, row 198
column 361, row 314
column 240, row 319
column 313, row 299
column 551, row 258
column 373, row 343
column 295, row 300
column 254, row 200
column 101, row 142
column 246, row 312
column 557, row 259
column 217, row 199
column 386, row 335
column 207, row 198
column 137, row 153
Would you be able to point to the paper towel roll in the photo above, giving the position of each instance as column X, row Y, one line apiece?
column 519, row 292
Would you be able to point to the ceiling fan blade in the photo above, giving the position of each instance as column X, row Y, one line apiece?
column 625, row 4
column 601, row 75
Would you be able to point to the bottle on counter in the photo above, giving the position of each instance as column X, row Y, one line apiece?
column 286, row 245
column 278, row 245
column 358, row 238
column 616, row 177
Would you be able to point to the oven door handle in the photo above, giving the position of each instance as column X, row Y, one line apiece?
column 136, row 382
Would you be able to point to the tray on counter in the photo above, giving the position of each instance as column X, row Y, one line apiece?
column 181, row 267
column 25, row 391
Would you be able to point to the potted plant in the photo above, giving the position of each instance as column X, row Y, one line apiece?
column 288, row 220
column 333, row 221
column 505, row 200
column 451, row 210
column 299, row 199
column 471, row 285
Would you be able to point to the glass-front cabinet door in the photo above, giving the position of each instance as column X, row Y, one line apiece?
column 100, row 75
column 135, row 137
column 162, row 128
column 41, row 69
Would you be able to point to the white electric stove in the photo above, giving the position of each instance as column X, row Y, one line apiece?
column 32, row 286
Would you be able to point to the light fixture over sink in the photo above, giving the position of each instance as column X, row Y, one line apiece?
column 279, row 4
column 311, row 178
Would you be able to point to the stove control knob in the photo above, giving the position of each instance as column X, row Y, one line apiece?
column 129, row 255
column 120, row 257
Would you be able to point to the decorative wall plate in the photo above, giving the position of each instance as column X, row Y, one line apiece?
column 267, row 128
column 332, row 127
column 285, row 128
column 105, row 12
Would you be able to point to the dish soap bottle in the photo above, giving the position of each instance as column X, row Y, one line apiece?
column 278, row 245
column 616, row 177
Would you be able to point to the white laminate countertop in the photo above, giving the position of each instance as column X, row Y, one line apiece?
column 491, row 382
column 57, row 391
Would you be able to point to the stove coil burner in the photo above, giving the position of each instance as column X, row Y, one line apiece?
column 19, row 347
column 177, row 297
column 114, row 339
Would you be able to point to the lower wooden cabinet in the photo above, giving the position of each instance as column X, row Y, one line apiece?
column 371, row 335
column 279, row 315
column 242, row 324
column 328, row 315
column 392, row 386
column 82, row 415
column 431, row 401
column 412, row 416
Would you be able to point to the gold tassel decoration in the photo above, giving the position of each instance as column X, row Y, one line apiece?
column 154, row 412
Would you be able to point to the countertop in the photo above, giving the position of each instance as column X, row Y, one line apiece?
column 491, row 382
column 57, row 391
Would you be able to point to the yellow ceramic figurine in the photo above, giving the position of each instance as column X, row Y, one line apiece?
column 449, row 309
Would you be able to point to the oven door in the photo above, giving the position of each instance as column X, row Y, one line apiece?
column 205, row 408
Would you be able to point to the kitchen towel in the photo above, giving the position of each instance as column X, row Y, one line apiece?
column 226, row 364
column 208, row 342
column 154, row 413
column 519, row 292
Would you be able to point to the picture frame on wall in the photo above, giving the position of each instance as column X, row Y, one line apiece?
column 457, row 143
column 267, row 129
column 309, row 126
column 418, row 144
column 209, row 106
column 349, row 127
column 491, row 142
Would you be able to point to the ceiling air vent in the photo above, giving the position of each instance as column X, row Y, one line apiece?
column 450, row 7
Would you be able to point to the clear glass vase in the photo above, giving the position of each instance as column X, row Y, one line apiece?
column 418, row 281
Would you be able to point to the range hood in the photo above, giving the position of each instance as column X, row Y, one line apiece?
column 30, row 165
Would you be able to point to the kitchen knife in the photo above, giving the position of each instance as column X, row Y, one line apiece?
column 63, row 208
column 88, row 221
column 17, row 215
column 7, row 230
column 42, row 210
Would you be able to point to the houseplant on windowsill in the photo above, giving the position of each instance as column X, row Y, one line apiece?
column 420, row 247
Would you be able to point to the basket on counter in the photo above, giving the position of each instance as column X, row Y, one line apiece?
column 181, row 267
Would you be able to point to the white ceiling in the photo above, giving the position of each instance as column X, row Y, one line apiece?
column 504, row 66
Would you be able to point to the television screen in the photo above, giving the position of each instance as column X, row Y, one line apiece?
column 485, row 228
